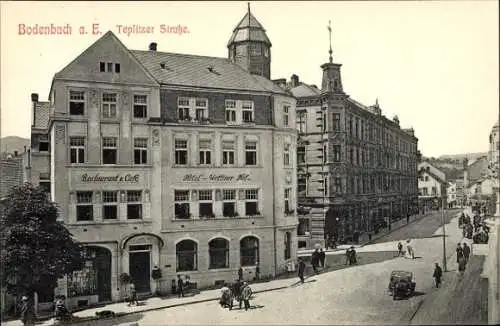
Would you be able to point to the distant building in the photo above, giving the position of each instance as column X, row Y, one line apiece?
column 451, row 192
column 494, row 150
column 432, row 187
column 11, row 173
column 477, row 169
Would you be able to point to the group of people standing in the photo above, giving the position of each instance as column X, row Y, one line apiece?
column 239, row 290
column 318, row 258
column 463, row 254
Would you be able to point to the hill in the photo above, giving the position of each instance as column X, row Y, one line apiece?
column 470, row 156
column 10, row 144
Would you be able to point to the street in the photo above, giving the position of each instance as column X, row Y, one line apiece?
column 354, row 295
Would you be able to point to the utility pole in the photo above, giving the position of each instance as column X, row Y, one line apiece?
column 444, row 232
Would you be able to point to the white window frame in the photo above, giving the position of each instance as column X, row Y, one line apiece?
column 109, row 105
column 77, row 96
column 135, row 200
column 179, row 149
column 252, row 196
column 205, row 156
column 247, row 106
column 286, row 115
column 109, row 147
column 84, row 201
column 229, row 196
column 301, row 122
column 186, row 108
column 201, row 111
column 107, row 201
column 252, row 150
column 287, row 201
column 141, row 147
column 230, row 112
column 228, row 148
column 286, row 155
column 201, row 200
column 141, row 104
column 77, row 147
column 180, row 198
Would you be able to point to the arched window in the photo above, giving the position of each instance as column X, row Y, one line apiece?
column 218, row 250
column 249, row 251
column 187, row 256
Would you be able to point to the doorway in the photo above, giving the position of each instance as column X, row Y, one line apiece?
column 140, row 267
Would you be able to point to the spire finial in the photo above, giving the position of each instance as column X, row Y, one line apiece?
column 248, row 4
column 376, row 101
column 330, row 37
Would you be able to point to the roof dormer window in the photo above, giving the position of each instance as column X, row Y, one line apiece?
column 109, row 67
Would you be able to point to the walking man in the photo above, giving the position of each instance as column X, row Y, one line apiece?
column 180, row 286
column 315, row 260
column 240, row 274
column 322, row 256
column 460, row 252
column 438, row 273
column 461, row 266
column 245, row 295
column 27, row 312
column 400, row 249
column 348, row 256
column 302, row 267
column 466, row 251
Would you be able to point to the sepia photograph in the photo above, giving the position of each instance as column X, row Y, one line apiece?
column 249, row 163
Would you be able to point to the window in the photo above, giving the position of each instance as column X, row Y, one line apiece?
column 84, row 207
column 183, row 108
column 134, row 204
column 301, row 184
column 247, row 111
column 181, row 199
column 187, row 256
column 324, row 122
column 228, row 150
column 252, row 202
column 356, row 125
column 108, row 105
column 201, row 109
column 288, row 245
column 255, row 49
column 44, row 182
column 301, row 122
column 301, row 154
column 76, row 103
column 218, row 250
column 426, row 178
column 286, row 155
column 325, row 154
column 181, row 152
column 77, row 149
column 102, row 66
column 425, row 191
column 230, row 111
column 43, row 145
column 286, row 110
column 140, row 106
column 117, row 68
column 109, row 150
column 287, row 194
column 325, row 186
column 205, row 152
column 110, row 205
column 336, row 153
column 229, row 203
column 140, row 150
column 249, row 251
column 338, row 185
column 434, row 191
column 205, row 204
column 251, row 153
column 336, row 121
column 110, row 67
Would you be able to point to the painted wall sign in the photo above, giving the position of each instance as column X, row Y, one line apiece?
column 193, row 177
column 130, row 178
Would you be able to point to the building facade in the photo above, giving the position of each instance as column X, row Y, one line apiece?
column 354, row 164
column 175, row 162
column 432, row 187
column 494, row 147
column 452, row 193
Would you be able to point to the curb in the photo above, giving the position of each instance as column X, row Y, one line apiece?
column 88, row 319
column 410, row 314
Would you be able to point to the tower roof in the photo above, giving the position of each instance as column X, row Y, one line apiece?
column 249, row 29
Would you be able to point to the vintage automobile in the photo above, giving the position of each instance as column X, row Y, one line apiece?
column 401, row 284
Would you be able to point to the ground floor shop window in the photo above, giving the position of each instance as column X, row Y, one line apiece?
column 187, row 256
column 219, row 253
column 84, row 282
column 249, row 251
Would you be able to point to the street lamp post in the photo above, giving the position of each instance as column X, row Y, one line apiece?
column 444, row 232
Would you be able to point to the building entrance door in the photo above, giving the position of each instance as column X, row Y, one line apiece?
column 140, row 269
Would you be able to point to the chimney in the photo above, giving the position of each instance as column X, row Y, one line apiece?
column 34, row 99
column 153, row 46
column 295, row 80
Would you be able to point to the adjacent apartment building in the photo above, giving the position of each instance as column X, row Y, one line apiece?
column 432, row 187
column 355, row 166
column 174, row 161
column 494, row 148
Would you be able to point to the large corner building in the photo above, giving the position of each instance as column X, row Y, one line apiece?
column 178, row 161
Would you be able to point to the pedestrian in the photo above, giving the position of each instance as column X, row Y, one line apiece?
column 460, row 253
column 461, row 266
column 246, row 292
column 354, row 259
column 466, row 251
column 322, row 256
column 61, row 313
column 302, row 267
column 315, row 260
column 400, row 248
column 133, row 295
column 348, row 256
column 240, row 274
column 180, row 286
column 27, row 312
column 407, row 218
column 236, row 288
column 173, row 286
column 257, row 271
column 438, row 274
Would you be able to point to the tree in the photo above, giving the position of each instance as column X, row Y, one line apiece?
column 37, row 249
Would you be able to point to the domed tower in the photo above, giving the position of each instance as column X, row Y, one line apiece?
column 249, row 46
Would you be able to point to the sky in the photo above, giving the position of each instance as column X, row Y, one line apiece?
column 433, row 64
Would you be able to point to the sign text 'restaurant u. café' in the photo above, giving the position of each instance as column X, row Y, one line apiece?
column 192, row 177
column 131, row 178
